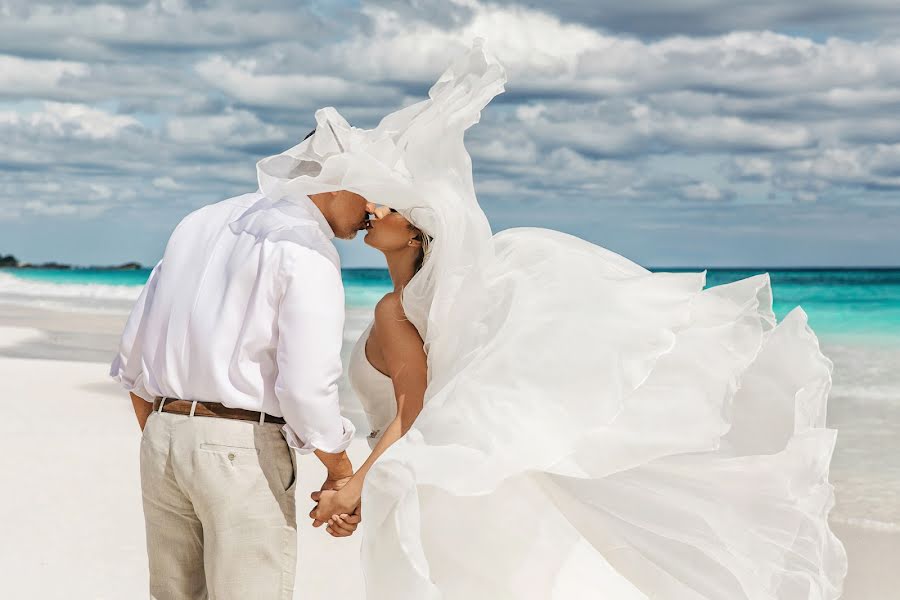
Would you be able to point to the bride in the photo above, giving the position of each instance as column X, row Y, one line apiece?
column 550, row 419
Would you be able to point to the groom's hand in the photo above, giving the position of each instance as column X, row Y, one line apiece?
column 329, row 503
column 332, row 483
column 335, row 483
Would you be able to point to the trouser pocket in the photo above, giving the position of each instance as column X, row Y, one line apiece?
column 231, row 452
column 292, row 481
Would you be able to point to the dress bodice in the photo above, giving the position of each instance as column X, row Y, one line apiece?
column 373, row 388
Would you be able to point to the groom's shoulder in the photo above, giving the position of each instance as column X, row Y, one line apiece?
column 289, row 228
column 302, row 243
column 216, row 213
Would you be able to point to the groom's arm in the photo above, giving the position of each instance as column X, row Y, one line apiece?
column 142, row 409
column 338, row 465
column 308, row 354
column 127, row 366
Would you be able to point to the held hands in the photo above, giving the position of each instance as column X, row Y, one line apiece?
column 343, row 525
column 335, row 508
column 341, row 520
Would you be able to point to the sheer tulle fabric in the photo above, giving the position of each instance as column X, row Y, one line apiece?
column 671, row 433
column 591, row 429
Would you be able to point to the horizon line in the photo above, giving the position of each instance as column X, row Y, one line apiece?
column 732, row 268
column 39, row 266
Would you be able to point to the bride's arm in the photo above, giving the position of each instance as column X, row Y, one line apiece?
column 404, row 356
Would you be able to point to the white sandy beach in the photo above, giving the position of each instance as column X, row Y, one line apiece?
column 71, row 514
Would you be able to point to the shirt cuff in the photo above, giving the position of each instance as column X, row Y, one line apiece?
column 317, row 441
column 117, row 373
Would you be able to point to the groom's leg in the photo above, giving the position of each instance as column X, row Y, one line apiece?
column 174, row 534
column 241, row 478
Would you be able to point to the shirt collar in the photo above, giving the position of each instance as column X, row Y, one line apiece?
column 315, row 213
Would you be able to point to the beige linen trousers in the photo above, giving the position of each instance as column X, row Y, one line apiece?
column 219, row 508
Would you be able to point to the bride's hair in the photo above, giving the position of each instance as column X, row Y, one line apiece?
column 423, row 251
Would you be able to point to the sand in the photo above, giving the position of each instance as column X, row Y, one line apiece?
column 71, row 515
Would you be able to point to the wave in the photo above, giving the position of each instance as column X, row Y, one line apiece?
column 870, row 524
column 78, row 297
column 18, row 286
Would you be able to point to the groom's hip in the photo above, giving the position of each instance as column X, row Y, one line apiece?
column 218, row 499
column 212, row 409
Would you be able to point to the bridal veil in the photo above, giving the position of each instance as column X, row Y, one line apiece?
column 590, row 429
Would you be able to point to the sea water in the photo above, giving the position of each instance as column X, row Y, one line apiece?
column 841, row 303
column 854, row 312
column 102, row 290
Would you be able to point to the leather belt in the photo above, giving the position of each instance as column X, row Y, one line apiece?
column 211, row 409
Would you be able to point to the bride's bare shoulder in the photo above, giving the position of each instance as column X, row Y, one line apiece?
column 397, row 337
column 389, row 309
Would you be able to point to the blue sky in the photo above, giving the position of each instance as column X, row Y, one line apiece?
column 705, row 133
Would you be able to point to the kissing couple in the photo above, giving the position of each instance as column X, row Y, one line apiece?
column 548, row 419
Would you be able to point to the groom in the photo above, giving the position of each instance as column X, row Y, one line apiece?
column 231, row 356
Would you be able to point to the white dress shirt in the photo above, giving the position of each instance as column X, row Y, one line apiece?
column 246, row 308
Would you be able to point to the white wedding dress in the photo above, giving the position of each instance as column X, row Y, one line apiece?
column 738, row 511
column 590, row 429
column 373, row 388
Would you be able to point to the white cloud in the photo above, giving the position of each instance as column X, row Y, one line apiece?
column 42, row 208
column 717, row 132
column 27, row 77
column 701, row 191
column 152, row 24
column 531, row 43
column 542, row 53
column 873, row 166
column 166, row 183
column 39, row 207
column 752, row 168
column 169, row 103
column 235, row 127
column 499, row 151
column 804, row 196
column 241, row 80
column 48, row 187
column 100, row 191
column 660, row 18
column 69, row 119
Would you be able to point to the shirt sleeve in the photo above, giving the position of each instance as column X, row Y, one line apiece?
column 308, row 355
column 128, row 366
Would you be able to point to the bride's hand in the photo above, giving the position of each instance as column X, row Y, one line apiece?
column 379, row 211
column 330, row 503
column 343, row 525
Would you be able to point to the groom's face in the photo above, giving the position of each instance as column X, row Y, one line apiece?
column 348, row 214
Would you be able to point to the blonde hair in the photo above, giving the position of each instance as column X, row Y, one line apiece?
column 426, row 247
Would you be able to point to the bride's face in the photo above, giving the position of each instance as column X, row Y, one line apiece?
column 389, row 231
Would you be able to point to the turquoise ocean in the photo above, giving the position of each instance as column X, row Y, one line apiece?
column 840, row 302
